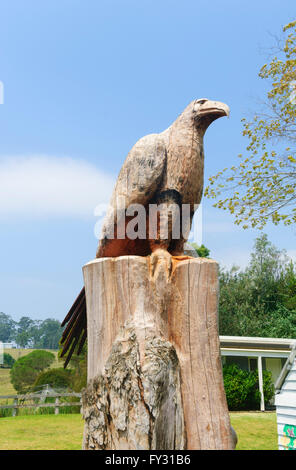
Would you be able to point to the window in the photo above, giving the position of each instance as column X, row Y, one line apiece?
column 240, row 361
column 253, row 363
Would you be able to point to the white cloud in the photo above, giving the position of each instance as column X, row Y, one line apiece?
column 292, row 254
column 43, row 186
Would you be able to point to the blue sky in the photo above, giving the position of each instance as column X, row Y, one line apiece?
column 83, row 81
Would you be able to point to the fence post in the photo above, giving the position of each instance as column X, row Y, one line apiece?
column 261, row 390
column 14, row 410
column 57, row 408
column 38, row 402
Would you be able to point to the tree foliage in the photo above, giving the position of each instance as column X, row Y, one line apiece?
column 202, row 250
column 48, row 334
column 262, row 187
column 40, row 334
column 8, row 361
column 242, row 388
column 261, row 299
column 27, row 368
column 7, row 328
column 78, row 365
column 25, row 332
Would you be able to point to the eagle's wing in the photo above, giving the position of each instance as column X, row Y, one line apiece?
column 139, row 177
column 75, row 330
column 137, row 182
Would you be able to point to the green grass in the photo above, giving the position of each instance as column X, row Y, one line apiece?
column 255, row 430
column 6, row 387
column 44, row 432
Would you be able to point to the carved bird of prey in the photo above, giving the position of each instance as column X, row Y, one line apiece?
column 165, row 168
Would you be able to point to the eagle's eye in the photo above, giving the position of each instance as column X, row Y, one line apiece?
column 201, row 101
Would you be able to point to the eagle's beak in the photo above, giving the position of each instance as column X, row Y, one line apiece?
column 214, row 108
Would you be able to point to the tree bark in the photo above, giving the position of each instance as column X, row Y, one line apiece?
column 154, row 369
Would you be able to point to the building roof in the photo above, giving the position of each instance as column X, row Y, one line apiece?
column 254, row 342
column 285, row 370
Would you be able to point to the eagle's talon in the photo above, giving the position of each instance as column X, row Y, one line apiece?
column 161, row 259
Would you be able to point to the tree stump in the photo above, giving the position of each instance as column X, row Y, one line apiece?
column 154, row 369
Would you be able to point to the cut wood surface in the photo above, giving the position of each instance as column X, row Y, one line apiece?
column 154, row 370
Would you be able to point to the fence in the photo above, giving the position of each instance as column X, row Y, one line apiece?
column 38, row 401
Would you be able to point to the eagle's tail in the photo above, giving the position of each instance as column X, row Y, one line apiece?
column 75, row 331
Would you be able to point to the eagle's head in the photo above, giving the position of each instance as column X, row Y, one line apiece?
column 205, row 111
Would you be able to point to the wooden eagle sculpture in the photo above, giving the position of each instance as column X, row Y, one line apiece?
column 161, row 169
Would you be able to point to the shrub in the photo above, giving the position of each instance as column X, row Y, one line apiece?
column 26, row 369
column 242, row 388
column 78, row 366
column 8, row 361
column 56, row 378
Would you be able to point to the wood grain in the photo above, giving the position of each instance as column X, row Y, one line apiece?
column 154, row 368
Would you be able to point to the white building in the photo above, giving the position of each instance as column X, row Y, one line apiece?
column 8, row 345
column 252, row 353
column 285, row 401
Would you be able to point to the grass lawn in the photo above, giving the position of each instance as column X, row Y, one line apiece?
column 255, row 430
column 41, row 432
column 6, row 387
